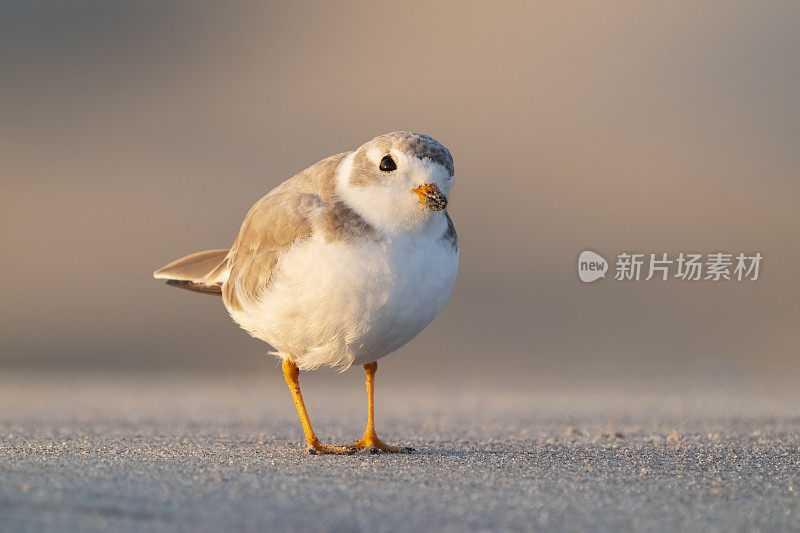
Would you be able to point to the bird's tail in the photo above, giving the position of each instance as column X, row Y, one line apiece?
column 203, row 272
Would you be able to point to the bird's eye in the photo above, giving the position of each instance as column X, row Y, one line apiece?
column 387, row 164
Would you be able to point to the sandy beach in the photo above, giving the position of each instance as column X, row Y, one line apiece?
column 204, row 453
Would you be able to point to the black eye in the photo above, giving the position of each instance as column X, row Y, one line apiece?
column 387, row 164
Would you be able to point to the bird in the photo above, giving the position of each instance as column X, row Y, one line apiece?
column 340, row 265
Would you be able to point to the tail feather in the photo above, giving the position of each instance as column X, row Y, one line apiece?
column 203, row 272
column 195, row 287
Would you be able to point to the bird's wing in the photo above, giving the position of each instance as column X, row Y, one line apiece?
column 287, row 214
column 272, row 225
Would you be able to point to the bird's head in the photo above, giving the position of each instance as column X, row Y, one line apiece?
column 398, row 181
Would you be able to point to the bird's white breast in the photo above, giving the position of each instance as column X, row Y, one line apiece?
column 353, row 301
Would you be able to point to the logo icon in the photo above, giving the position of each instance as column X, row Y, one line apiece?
column 591, row 266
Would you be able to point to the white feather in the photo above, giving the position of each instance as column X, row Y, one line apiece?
column 353, row 302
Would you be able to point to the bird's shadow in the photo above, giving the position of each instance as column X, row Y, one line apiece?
column 432, row 451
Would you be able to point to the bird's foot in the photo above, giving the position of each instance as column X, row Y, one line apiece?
column 375, row 445
column 317, row 448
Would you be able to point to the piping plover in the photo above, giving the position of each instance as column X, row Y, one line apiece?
column 342, row 264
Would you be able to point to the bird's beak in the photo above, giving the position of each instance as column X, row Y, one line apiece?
column 431, row 197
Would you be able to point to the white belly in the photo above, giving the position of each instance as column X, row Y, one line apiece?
column 339, row 303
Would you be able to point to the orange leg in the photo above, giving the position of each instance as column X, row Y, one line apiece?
column 370, row 439
column 291, row 373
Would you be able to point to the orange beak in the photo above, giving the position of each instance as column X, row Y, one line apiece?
column 431, row 197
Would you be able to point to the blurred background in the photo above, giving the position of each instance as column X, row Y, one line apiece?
column 133, row 133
